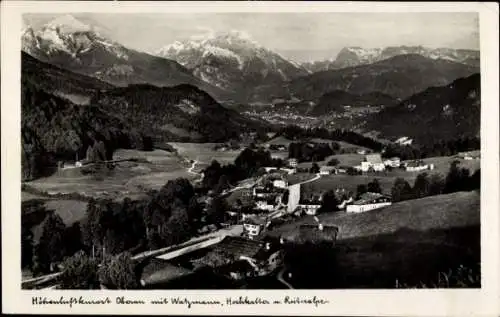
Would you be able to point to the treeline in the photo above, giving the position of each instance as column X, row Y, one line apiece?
column 457, row 179
column 437, row 148
column 169, row 216
column 404, row 152
column 54, row 129
column 294, row 132
column 307, row 152
column 247, row 164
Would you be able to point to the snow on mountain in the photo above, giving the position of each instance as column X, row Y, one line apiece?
column 231, row 60
column 68, row 24
column 67, row 35
column 82, row 48
column 354, row 56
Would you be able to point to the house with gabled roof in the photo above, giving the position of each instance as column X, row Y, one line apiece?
column 372, row 162
column 262, row 257
column 369, row 201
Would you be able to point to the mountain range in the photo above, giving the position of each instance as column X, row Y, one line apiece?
column 71, row 72
column 355, row 56
column 232, row 61
column 70, row 44
column 399, row 77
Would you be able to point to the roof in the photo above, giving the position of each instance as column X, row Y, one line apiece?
column 255, row 220
column 374, row 158
column 240, row 246
column 368, row 197
column 160, row 271
column 415, row 163
column 327, row 168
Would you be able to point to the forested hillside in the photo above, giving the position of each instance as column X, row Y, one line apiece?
column 444, row 112
column 56, row 129
column 182, row 112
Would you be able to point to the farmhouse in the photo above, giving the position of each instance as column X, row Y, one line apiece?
column 416, row 166
column 404, row 141
column 369, row 201
column 327, row 170
column 268, row 204
column 253, row 226
column 293, row 163
column 263, row 191
column 280, row 183
column 372, row 162
column 393, row 162
column 310, row 205
column 472, row 155
column 262, row 257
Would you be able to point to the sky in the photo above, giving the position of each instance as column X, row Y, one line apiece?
column 298, row 36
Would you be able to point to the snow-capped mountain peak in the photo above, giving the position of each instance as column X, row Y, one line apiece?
column 354, row 56
column 231, row 58
column 67, row 35
column 68, row 24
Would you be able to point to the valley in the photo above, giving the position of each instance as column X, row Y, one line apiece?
column 217, row 160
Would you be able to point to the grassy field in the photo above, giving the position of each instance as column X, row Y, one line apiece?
column 352, row 159
column 299, row 178
column 434, row 212
column 204, row 152
column 156, row 156
column 386, row 178
column 411, row 241
column 126, row 179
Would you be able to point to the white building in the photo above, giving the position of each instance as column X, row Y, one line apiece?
column 369, row 201
column 270, row 169
column 280, row 183
column 310, row 208
column 372, row 162
column 264, row 205
column 327, row 170
column 293, row 162
column 404, row 141
column 418, row 166
column 253, row 225
column 393, row 162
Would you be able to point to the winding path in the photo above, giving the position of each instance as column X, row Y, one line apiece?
column 318, row 176
column 193, row 165
column 281, row 279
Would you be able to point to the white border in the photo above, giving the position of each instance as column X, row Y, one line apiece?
column 483, row 302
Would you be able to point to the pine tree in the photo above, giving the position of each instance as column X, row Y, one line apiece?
column 401, row 190
column 51, row 246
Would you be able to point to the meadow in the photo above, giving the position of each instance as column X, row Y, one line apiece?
column 386, row 178
column 127, row 179
column 204, row 152
column 410, row 242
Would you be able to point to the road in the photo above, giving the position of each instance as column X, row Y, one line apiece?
column 318, row 176
column 281, row 279
column 193, row 165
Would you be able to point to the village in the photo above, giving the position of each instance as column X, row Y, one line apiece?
column 244, row 248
